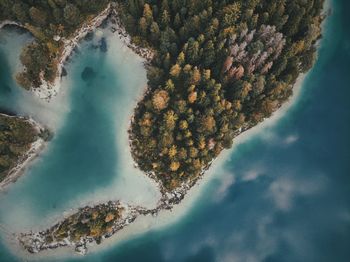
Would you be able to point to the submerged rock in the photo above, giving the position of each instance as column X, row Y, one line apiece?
column 76, row 50
column 88, row 74
column 7, row 111
column 15, row 28
column 6, row 89
column 89, row 36
column 104, row 24
column 64, row 72
column 103, row 45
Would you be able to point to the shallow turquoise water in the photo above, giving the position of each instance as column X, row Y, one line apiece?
column 283, row 195
column 88, row 162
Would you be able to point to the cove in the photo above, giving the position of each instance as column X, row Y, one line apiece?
column 89, row 160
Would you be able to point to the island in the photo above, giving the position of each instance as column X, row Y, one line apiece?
column 215, row 69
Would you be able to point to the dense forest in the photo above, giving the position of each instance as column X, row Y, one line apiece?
column 50, row 22
column 220, row 67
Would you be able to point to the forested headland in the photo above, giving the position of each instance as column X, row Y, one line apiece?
column 220, row 67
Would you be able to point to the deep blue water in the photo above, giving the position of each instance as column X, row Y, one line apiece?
column 282, row 195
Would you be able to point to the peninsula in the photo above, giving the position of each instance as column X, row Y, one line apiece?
column 20, row 140
column 215, row 69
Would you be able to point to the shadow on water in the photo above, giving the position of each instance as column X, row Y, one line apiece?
column 6, row 82
column 88, row 74
column 205, row 254
column 5, row 89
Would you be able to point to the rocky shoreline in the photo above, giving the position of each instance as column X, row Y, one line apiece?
column 44, row 240
column 36, row 147
column 119, row 29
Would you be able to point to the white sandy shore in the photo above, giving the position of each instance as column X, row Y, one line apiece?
column 8, row 22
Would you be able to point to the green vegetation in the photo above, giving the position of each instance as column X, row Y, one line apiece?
column 16, row 137
column 220, row 67
column 93, row 222
column 50, row 22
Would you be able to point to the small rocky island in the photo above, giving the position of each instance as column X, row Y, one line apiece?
column 216, row 69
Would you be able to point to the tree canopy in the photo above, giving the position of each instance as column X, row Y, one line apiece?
column 224, row 65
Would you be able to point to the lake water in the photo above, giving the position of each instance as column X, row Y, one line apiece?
column 281, row 195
